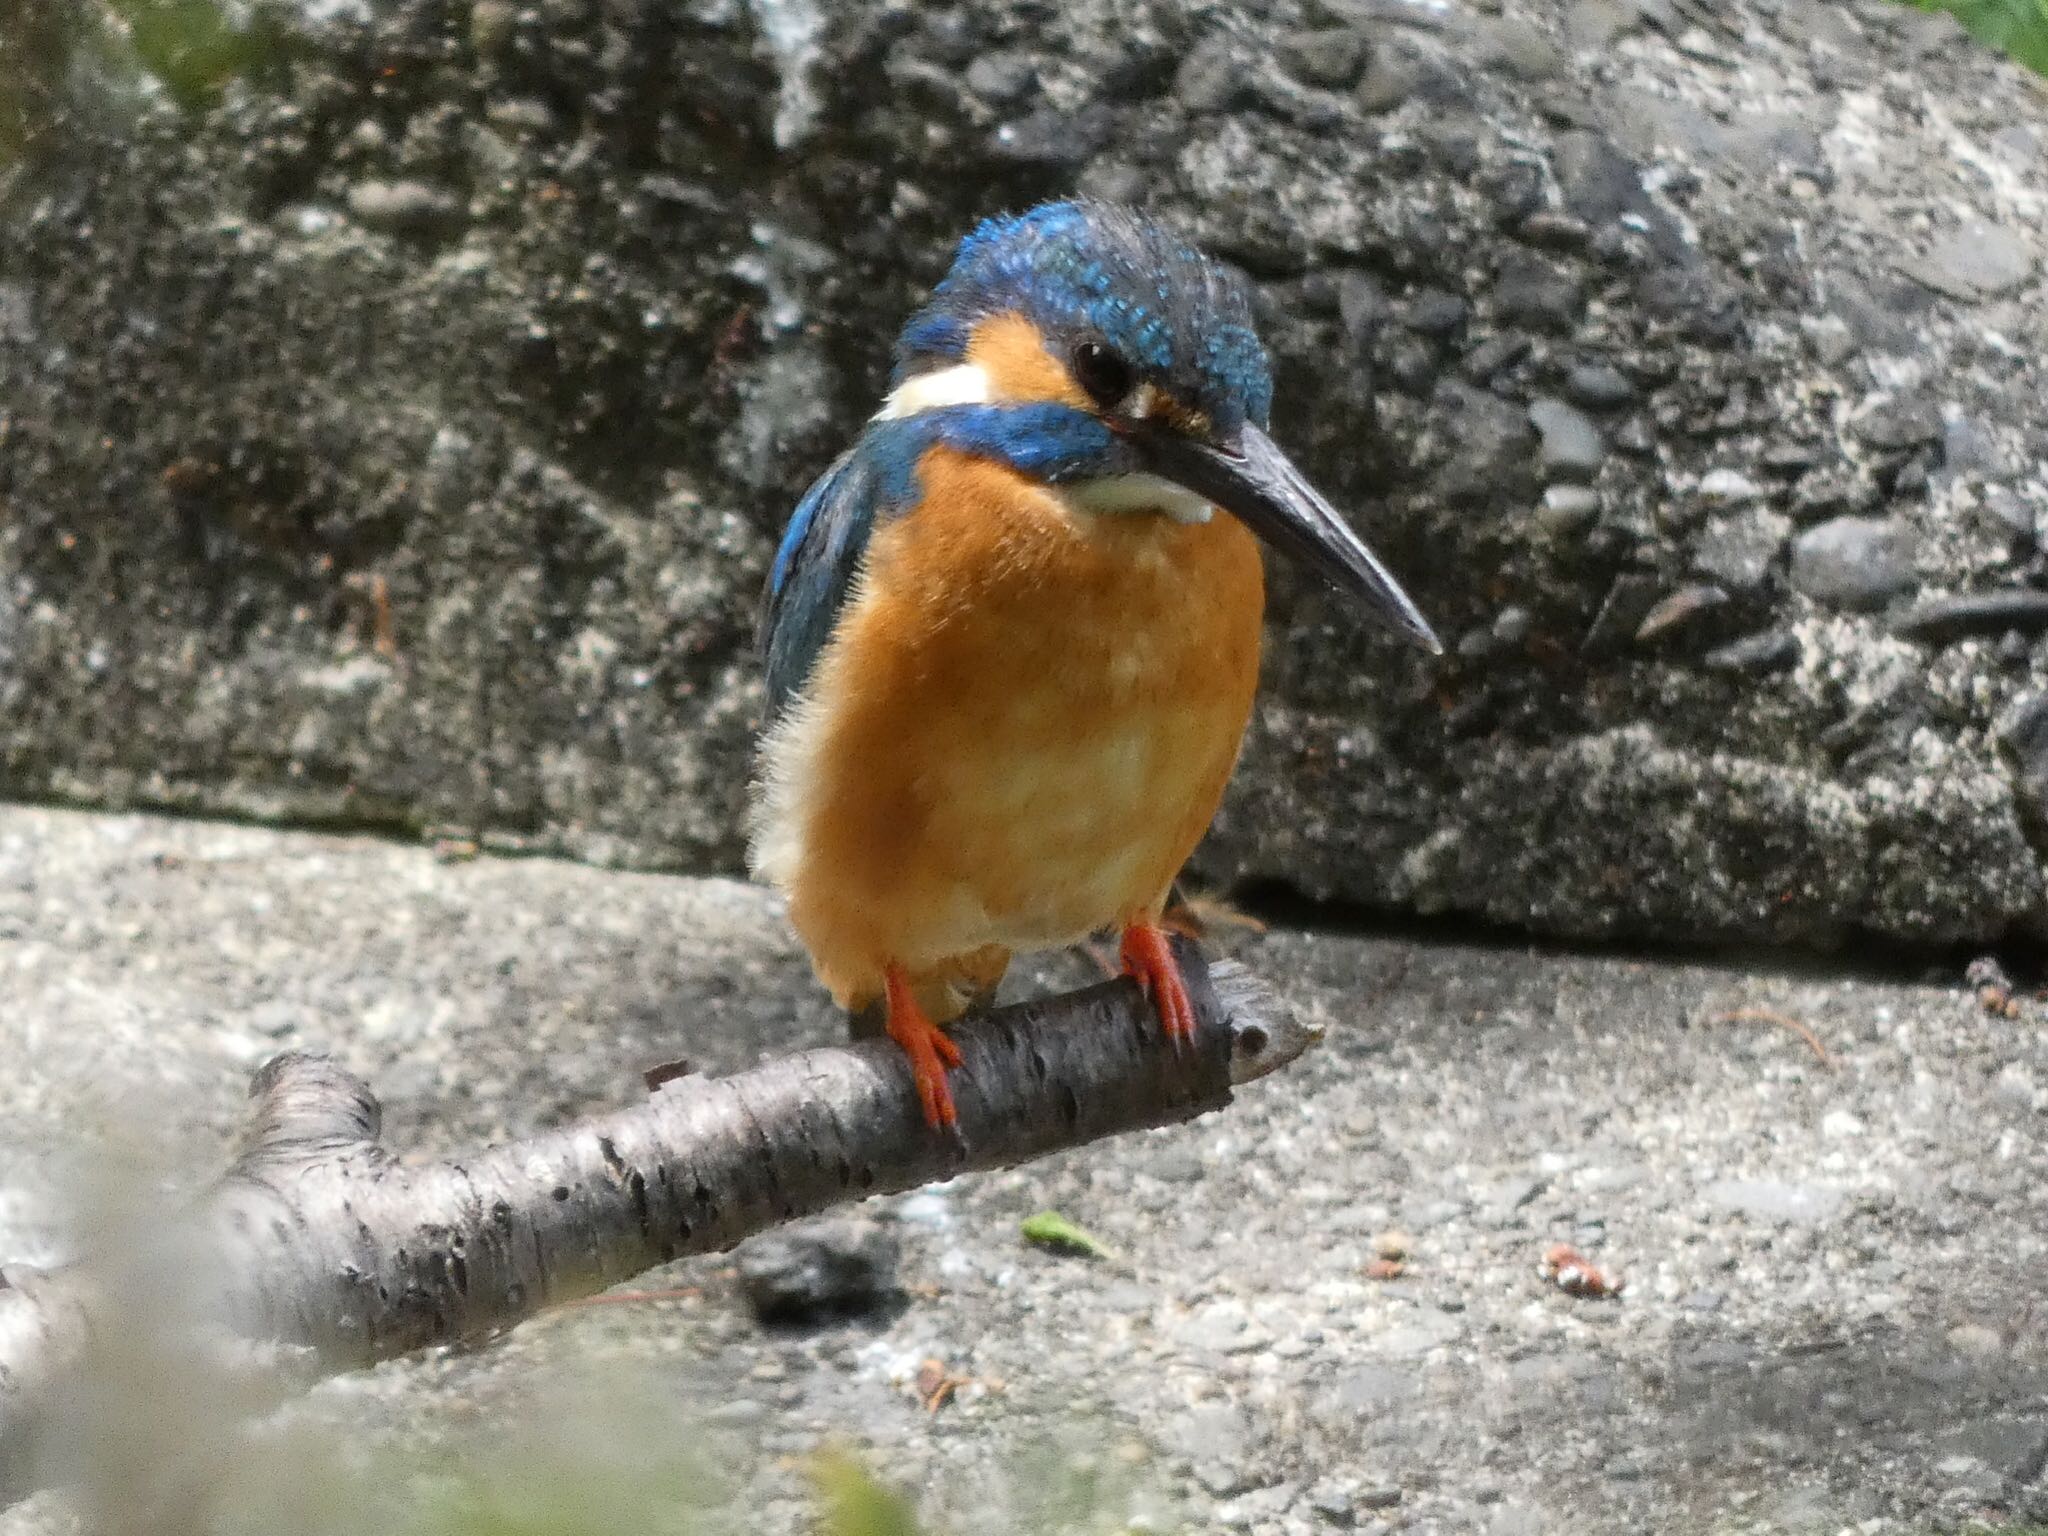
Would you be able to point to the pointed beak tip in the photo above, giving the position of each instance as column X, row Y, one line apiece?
column 1407, row 623
column 1254, row 481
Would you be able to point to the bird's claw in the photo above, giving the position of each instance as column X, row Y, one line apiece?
column 1148, row 957
column 930, row 1049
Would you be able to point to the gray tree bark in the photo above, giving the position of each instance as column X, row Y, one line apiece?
column 318, row 1238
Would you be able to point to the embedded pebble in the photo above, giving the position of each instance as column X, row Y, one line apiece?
column 409, row 207
column 1534, row 292
column 1490, row 442
column 1899, row 423
column 1511, row 44
column 1591, row 26
column 1740, row 549
column 1728, row 485
column 1212, row 78
column 1572, row 445
column 1390, row 78
column 1853, row 562
column 1944, row 619
column 1679, row 609
column 1771, row 650
column 1968, row 449
column 1598, row 385
column 1334, row 1502
column 1494, row 354
column 1005, row 77
column 1566, row 508
column 1436, row 313
column 1326, row 56
column 1976, row 262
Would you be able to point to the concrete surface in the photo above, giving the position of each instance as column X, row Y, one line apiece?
column 401, row 439
column 1833, row 1272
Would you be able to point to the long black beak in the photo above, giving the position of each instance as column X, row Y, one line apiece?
column 1256, row 483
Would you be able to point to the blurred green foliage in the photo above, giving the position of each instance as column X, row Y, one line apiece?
column 856, row 1503
column 2020, row 27
column 606, row 1449
column 189, row 45
column 68, row 60
column 571, row 1428
column 640, row 1473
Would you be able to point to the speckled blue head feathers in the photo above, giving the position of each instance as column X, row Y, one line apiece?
column 1134, row 386
column 1083, row 271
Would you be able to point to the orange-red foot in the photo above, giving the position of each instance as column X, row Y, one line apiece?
column 927, row 1046
column 1148, row 955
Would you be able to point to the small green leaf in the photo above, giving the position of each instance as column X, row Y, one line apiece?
column 1049, row 1229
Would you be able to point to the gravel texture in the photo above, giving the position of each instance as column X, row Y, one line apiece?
column 1832, row 1270
column 401, row 441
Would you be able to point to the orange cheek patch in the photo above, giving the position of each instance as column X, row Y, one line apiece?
column 1009, row 349
column 1183, row 419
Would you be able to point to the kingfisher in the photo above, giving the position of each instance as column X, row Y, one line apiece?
column 1012, row 633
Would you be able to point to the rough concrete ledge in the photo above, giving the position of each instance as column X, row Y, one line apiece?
column 1832, row 1269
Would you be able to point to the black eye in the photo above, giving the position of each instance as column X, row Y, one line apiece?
column 1101, row 372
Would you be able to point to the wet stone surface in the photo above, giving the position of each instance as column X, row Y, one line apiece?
column 1830, row 1267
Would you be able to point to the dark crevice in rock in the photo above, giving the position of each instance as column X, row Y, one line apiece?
column 1853, row 952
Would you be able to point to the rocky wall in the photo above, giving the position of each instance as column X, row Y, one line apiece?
column 399, row 436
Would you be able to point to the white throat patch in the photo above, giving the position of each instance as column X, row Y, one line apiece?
column 1138, row 493
column 961, row 384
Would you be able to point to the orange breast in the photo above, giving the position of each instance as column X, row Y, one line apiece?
column 1020, row 729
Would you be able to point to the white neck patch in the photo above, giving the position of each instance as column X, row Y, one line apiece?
column 969, row 384
column 961, row 384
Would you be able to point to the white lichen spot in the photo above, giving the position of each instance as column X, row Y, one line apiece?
column 791, row 28
column 321, row 12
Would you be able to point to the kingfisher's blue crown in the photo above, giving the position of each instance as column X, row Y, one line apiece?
column 1084, row 271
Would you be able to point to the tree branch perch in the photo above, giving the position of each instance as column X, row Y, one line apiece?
column 319, row 1238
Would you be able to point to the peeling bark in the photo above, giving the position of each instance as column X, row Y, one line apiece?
column 320, row 1240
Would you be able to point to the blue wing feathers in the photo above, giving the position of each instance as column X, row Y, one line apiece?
column 815, row 566
column 875, row 481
